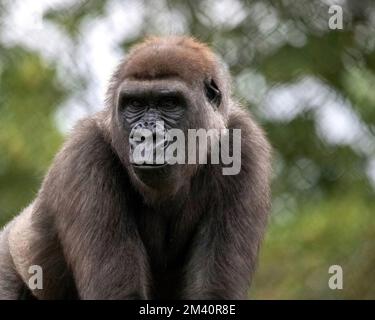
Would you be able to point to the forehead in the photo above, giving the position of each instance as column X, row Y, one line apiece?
column 158, row 59
column 156, row 87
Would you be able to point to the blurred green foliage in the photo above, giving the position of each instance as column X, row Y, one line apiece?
column 323, row 197
column 29, row 138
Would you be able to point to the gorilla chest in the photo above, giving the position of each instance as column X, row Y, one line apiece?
column 166, row 238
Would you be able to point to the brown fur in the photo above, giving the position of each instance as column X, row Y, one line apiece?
column 100, row 233
column 159, row 58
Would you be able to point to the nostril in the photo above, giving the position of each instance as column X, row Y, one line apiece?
column 138, row 126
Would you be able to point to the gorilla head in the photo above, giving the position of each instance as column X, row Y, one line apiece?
column 174, row 81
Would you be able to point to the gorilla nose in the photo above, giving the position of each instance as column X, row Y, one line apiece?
column 145, row 130
column 147, row 142
column 147, row 124
column 150, row 125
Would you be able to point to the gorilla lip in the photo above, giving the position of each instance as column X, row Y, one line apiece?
column 149, row 166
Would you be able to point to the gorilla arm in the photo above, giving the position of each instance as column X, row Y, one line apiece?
column 31, row 240
column 77, row 228
column 11, row 284
column 228, row 240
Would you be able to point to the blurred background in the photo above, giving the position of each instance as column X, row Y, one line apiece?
column 312, row 89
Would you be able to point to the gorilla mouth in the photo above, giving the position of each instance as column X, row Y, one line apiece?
column 148, row 166
column 152, row 174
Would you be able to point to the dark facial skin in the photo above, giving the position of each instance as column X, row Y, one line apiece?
column 145, row 109
column 144, row 105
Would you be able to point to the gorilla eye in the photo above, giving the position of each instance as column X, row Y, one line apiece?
column 126, row 102
column 213, row 93
column 169, row 103
column 135, row 103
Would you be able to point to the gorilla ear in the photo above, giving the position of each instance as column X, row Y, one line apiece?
column 212, row 92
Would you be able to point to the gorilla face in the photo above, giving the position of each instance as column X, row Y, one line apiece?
column 147, row 110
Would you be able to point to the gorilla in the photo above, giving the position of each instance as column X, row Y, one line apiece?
column 105, row 227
